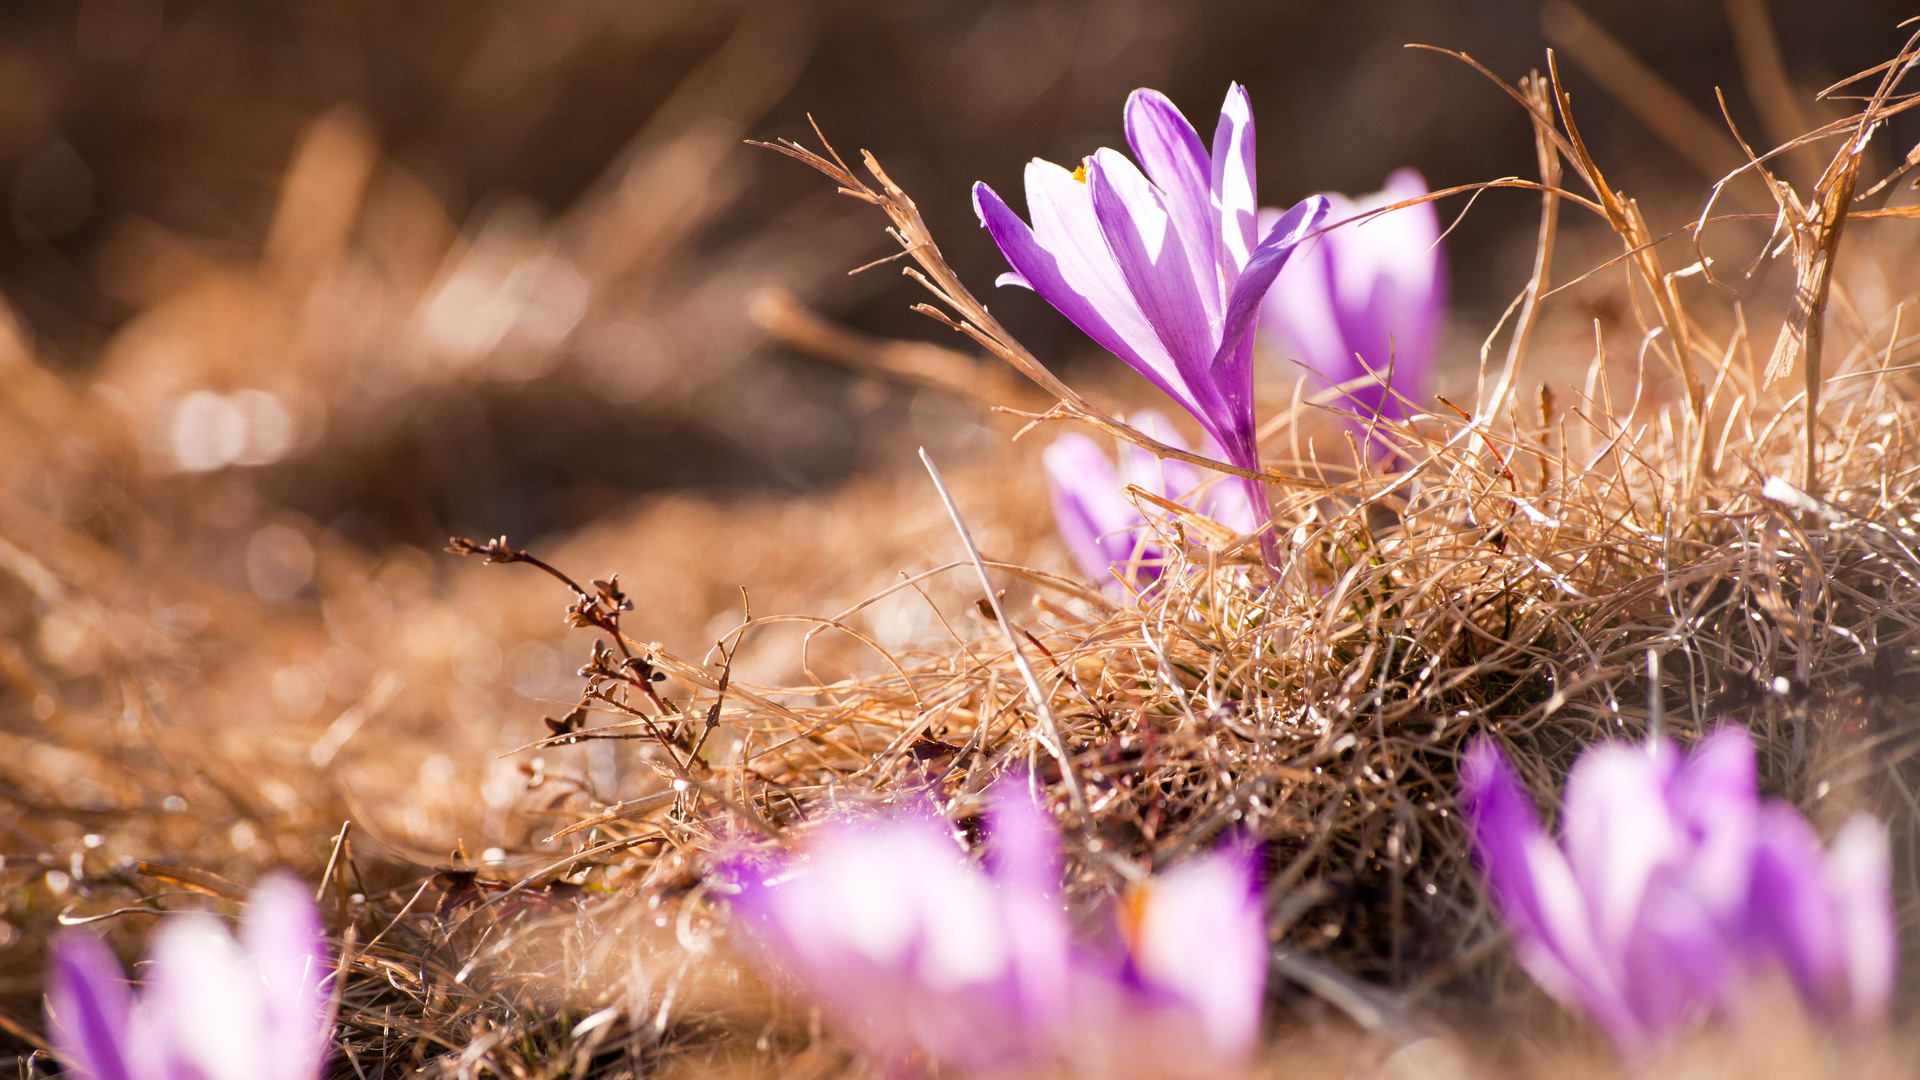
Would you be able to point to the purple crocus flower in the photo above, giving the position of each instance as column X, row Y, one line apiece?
column 212, row 1009
column 922, row 954
column 1104, row 529
column 915, row 949
column 1672, row 883
column 1369, row 291
column 1163, row 268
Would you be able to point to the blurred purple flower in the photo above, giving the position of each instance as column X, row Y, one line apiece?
column 921, row 954
column 1163, row 268
column 1182, row 998
column 1673, row 883
column 914, row 949
column 1370, row 289
column 1827, row 916
column 213, row 1009
column 1103, row 528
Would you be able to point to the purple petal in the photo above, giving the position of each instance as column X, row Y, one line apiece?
column 902, row 939
column 1859, row 878
column 1376, row 289
column 1617, row 831
column 1388, row 283
column 283, row 936
column 1792, row 916
column 1139, row 230
column 1299, row 308
column 1172, row 157
column 88, row 1007
column 1535, row 890
column 1100, row 525
column 1262, row 267
column 1024, row 861
column 208, row 1002
column 1064, row 258
column 1235, row 193
column 1201, row 936
column 1166, row 478
column 1675, row 963
column 1712, row 799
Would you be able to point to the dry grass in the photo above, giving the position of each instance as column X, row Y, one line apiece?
column 1624, row 524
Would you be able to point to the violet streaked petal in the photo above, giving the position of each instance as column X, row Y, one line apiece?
column 1675, row 963
column 1236, row 201
column 283, row 936
column 1860, row 880
column 902, row 938
column 89, row 1006
column 1172, row 157
column 1389, row 280
column 1791, row 915
column 1298, row 309
column 1536, row 892
column 208, row 1002
column 1617, row 830
column 1263, row 265
column 1201, row 935
column 1712, row 798
column 1099, row 525
column 1064, row 258
column 1139, row 230
column 1023, row 858
column 1167, row 478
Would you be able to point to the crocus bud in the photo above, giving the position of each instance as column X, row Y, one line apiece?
column 213, row 1008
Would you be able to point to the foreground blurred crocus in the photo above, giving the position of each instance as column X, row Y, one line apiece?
column 1165, row 267
column 1365, row 296
column 212, row 1008
column 1105, row 531
column 924, row 956
column 1675, row 886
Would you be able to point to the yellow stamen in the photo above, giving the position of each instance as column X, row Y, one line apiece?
column 1080, row 173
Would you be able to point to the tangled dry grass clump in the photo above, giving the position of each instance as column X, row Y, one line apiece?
column 1666, row 540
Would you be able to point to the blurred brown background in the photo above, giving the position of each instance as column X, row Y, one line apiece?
column 525, row 254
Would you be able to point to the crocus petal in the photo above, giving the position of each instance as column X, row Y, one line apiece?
column 1791, row 913
column 1023, row 857
column 1367, row 297
column 1617, row 830
column 1165, row 477
column 283, row 936
column 1172, row 157
column 901, row 938
column 1139, row 229
column 1712, row 798
column 1064, row 258
column 1299, row 307
column 1235, row 194
column 88, row 1007
column 1860, row 880
column 208, row 1001
column 1389, row 281
column 1201, row 935
column 1263, row 265
column 1537, row 893
column 1100, row 526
